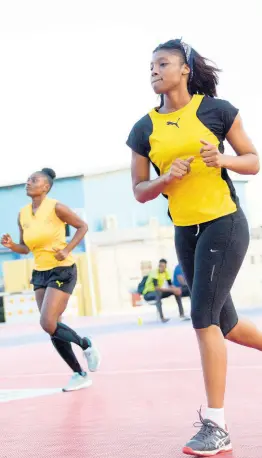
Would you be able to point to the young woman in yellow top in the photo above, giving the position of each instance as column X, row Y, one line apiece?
column 42, row 231
column 183, row 139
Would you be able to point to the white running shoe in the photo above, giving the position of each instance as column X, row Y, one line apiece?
column 93, row 358
column 77, row 382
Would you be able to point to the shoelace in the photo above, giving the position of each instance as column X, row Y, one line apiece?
column 207, row 427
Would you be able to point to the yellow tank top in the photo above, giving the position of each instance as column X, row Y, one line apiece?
column 42, row 232
column 206, row 193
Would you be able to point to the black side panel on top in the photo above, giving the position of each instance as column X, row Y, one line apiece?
column 165, row 196
column 138, row 139
column 218, row 116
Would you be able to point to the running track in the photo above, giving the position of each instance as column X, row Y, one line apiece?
column 142, row 403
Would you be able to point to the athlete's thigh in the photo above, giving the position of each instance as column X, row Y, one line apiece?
column 39, row 297
column 228, row 316
column 220, row 251
column 54, row 304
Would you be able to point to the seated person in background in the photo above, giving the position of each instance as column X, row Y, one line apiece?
column 159, row 286
column 180, row 282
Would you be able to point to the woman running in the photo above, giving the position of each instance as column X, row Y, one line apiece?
column 183, row 139
column 42, row 231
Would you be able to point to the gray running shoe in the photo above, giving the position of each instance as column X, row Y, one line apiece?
column 209, row 441
column 77, row 382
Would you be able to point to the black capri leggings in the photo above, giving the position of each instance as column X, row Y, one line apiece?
column 211, row 255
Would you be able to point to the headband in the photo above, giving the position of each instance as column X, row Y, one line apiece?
column 189, row 55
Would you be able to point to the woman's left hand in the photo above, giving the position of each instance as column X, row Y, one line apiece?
column 61, row 255
column 211, row 155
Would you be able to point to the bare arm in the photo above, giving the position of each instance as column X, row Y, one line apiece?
column 20, row 247
column 246, row 162
column 181, row 279
column 145, row 189
column 72, row 219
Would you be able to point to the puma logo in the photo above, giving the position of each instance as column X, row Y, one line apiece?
column 59, row 283
column 171, row 123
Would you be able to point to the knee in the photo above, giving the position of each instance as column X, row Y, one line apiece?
column 48, row 325
column 202, row 319
column 177, row 291
column 208, row 334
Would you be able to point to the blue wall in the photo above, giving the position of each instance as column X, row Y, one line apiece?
column 111, row 194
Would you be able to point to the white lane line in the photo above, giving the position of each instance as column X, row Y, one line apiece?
column 18, row 394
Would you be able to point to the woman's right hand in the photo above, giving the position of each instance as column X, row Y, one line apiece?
column 178, row 169
column 7, row 241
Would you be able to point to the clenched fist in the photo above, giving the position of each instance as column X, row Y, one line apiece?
column 178, row 169
column 211, row 155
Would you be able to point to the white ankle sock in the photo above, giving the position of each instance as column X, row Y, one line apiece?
column 217, row 416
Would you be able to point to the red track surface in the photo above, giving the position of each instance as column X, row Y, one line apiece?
column 142, row 402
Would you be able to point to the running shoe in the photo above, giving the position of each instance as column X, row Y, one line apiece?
column 77, row 382
column 209, row 441
column 92, row 356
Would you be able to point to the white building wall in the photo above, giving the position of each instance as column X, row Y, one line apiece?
column 120, row 253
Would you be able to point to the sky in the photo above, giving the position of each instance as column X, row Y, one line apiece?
column 75, row 77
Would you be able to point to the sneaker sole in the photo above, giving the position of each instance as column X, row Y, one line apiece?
column 190, row 451
column 77, row 388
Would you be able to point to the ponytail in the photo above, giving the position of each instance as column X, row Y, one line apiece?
column 205, row 77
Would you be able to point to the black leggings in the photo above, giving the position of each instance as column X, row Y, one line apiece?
column 211, row 255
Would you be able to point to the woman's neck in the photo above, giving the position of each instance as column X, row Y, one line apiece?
column 36, row 201
column 175, row 100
